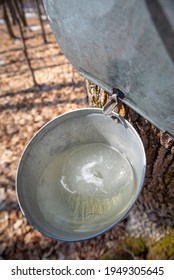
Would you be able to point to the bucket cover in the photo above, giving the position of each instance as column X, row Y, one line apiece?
column 126, row 45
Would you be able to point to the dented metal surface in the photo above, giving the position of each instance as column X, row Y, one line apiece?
column 127, row 45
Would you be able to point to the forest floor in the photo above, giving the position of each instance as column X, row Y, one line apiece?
column 24, row 109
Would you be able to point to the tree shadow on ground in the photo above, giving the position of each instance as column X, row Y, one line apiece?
column 29, row 47
column 16, row 73
column 39, row 90
column 43, row 88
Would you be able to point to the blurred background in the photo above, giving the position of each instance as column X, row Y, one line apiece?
column 37, row 83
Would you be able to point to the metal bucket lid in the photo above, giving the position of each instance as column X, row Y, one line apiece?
column 125, row 45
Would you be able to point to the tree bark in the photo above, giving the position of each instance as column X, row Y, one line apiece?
column 152, row 214
column 97, row 97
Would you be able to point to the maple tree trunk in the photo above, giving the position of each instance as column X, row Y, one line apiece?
column 12, row 15
column 14, row 8
column 7, row 21
column 152, row 215
column 21, row 11
column 97, row 97
column 41, row 21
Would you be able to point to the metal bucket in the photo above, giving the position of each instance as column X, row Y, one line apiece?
column 76, row 128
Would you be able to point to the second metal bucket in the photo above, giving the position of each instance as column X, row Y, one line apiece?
column 83, row 213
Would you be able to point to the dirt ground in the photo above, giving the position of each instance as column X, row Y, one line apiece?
column 24, row 109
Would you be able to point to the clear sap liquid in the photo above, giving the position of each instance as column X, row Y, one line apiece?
column 86, row 185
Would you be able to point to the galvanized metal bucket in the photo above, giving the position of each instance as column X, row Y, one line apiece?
column 83, row 126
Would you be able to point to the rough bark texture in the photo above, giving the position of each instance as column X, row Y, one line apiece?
column 155, row 206
column 151, row 218
column 97, row 97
